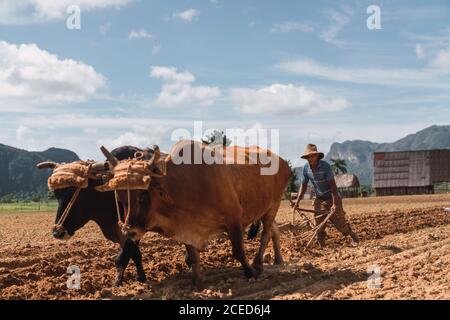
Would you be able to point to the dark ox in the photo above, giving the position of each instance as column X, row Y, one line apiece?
column 194, row 202
column 100, row 207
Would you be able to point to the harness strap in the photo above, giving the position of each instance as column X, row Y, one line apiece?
column 127, row 219
column 119, row 218
column 67, row 209
column 127, row 213
column 129, row 208
column 75, row 195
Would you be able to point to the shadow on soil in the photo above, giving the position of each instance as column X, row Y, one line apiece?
column 230, row 283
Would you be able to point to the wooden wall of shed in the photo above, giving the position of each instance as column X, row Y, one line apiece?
column 410, row 168
column 400, row 191
column 391, row 170
column 440, row 166
column 419, row 169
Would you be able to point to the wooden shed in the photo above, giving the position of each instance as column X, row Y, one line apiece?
column 348, row 185
column 411, row 172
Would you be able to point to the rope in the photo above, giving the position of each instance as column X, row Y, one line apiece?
column 128, row 211
column 127, row 218
column 67, row 209
column 65, row 214
column 138, row 174
column 119, row 218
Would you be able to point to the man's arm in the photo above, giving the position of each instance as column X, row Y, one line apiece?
column 301, row 193
column 334, row 194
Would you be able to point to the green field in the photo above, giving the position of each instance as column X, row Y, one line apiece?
column 28, row 207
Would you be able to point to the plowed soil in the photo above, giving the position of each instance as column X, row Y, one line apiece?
column 406, row 238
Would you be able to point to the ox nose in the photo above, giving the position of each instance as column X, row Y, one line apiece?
column 59, row 233
column 131, row 234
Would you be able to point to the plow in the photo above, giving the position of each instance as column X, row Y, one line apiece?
column 312, row 229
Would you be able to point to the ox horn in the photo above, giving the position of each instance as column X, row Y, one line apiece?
column 112, row 160
column 99, row 166
column 156, row 155
column 47, row 165
column 152, row 162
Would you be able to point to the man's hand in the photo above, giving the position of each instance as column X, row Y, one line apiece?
column 300, row 195
column 294, row 204
column 335, row 207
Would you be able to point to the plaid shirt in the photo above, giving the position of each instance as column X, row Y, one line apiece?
column 320, row 179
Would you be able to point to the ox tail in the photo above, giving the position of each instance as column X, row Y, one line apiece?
column 254, row 229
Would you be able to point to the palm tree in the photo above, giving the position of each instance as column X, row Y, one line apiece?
column 338, row 165
column 292, row 184
column 217, row 138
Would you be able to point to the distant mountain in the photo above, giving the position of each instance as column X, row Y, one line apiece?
column 359, row 154
column 18, row 172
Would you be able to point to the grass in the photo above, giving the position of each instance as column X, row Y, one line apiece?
column 28, row 207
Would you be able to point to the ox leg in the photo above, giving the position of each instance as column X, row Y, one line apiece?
column 122, row 261
column 265, row 237
column 276, row 244
column 137, row 258
column 237, row 242
column 187, row 257
column 193, row 256
column 270, row 230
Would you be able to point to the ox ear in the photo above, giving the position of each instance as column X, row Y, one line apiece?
column 47, row 165
column 113, row 161
column 162, row 193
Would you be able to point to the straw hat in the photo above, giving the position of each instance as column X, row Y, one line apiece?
column 310, row 150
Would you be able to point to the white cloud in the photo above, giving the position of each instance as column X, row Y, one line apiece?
column 288, row 26
column 401, row 77
column 171, row 74
column 32, row 11
column 420, row 51
column 104, row 28
column 280, row 98
column 178, row 88
column 138, row 136
column 156, row 49
column 442, row 59
column 187, row 15
column 127, row 138
column 337, row 21
column 22, row 132
column 139, row 34
column 33, row 75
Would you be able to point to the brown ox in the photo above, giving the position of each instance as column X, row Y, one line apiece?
column 194, row 202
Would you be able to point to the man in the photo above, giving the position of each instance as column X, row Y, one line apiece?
column 327, row 198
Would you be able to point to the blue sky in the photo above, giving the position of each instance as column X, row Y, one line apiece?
column 137, row 70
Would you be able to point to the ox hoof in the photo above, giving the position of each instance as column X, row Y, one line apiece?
column 278, row 261
column 141, row 277
column 251, row 272
column 258, row 268
column 198, row 283
column 118, row 283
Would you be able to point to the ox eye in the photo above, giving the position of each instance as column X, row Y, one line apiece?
column 144, row 199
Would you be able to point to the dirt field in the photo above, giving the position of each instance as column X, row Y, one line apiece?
column 407, row 238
